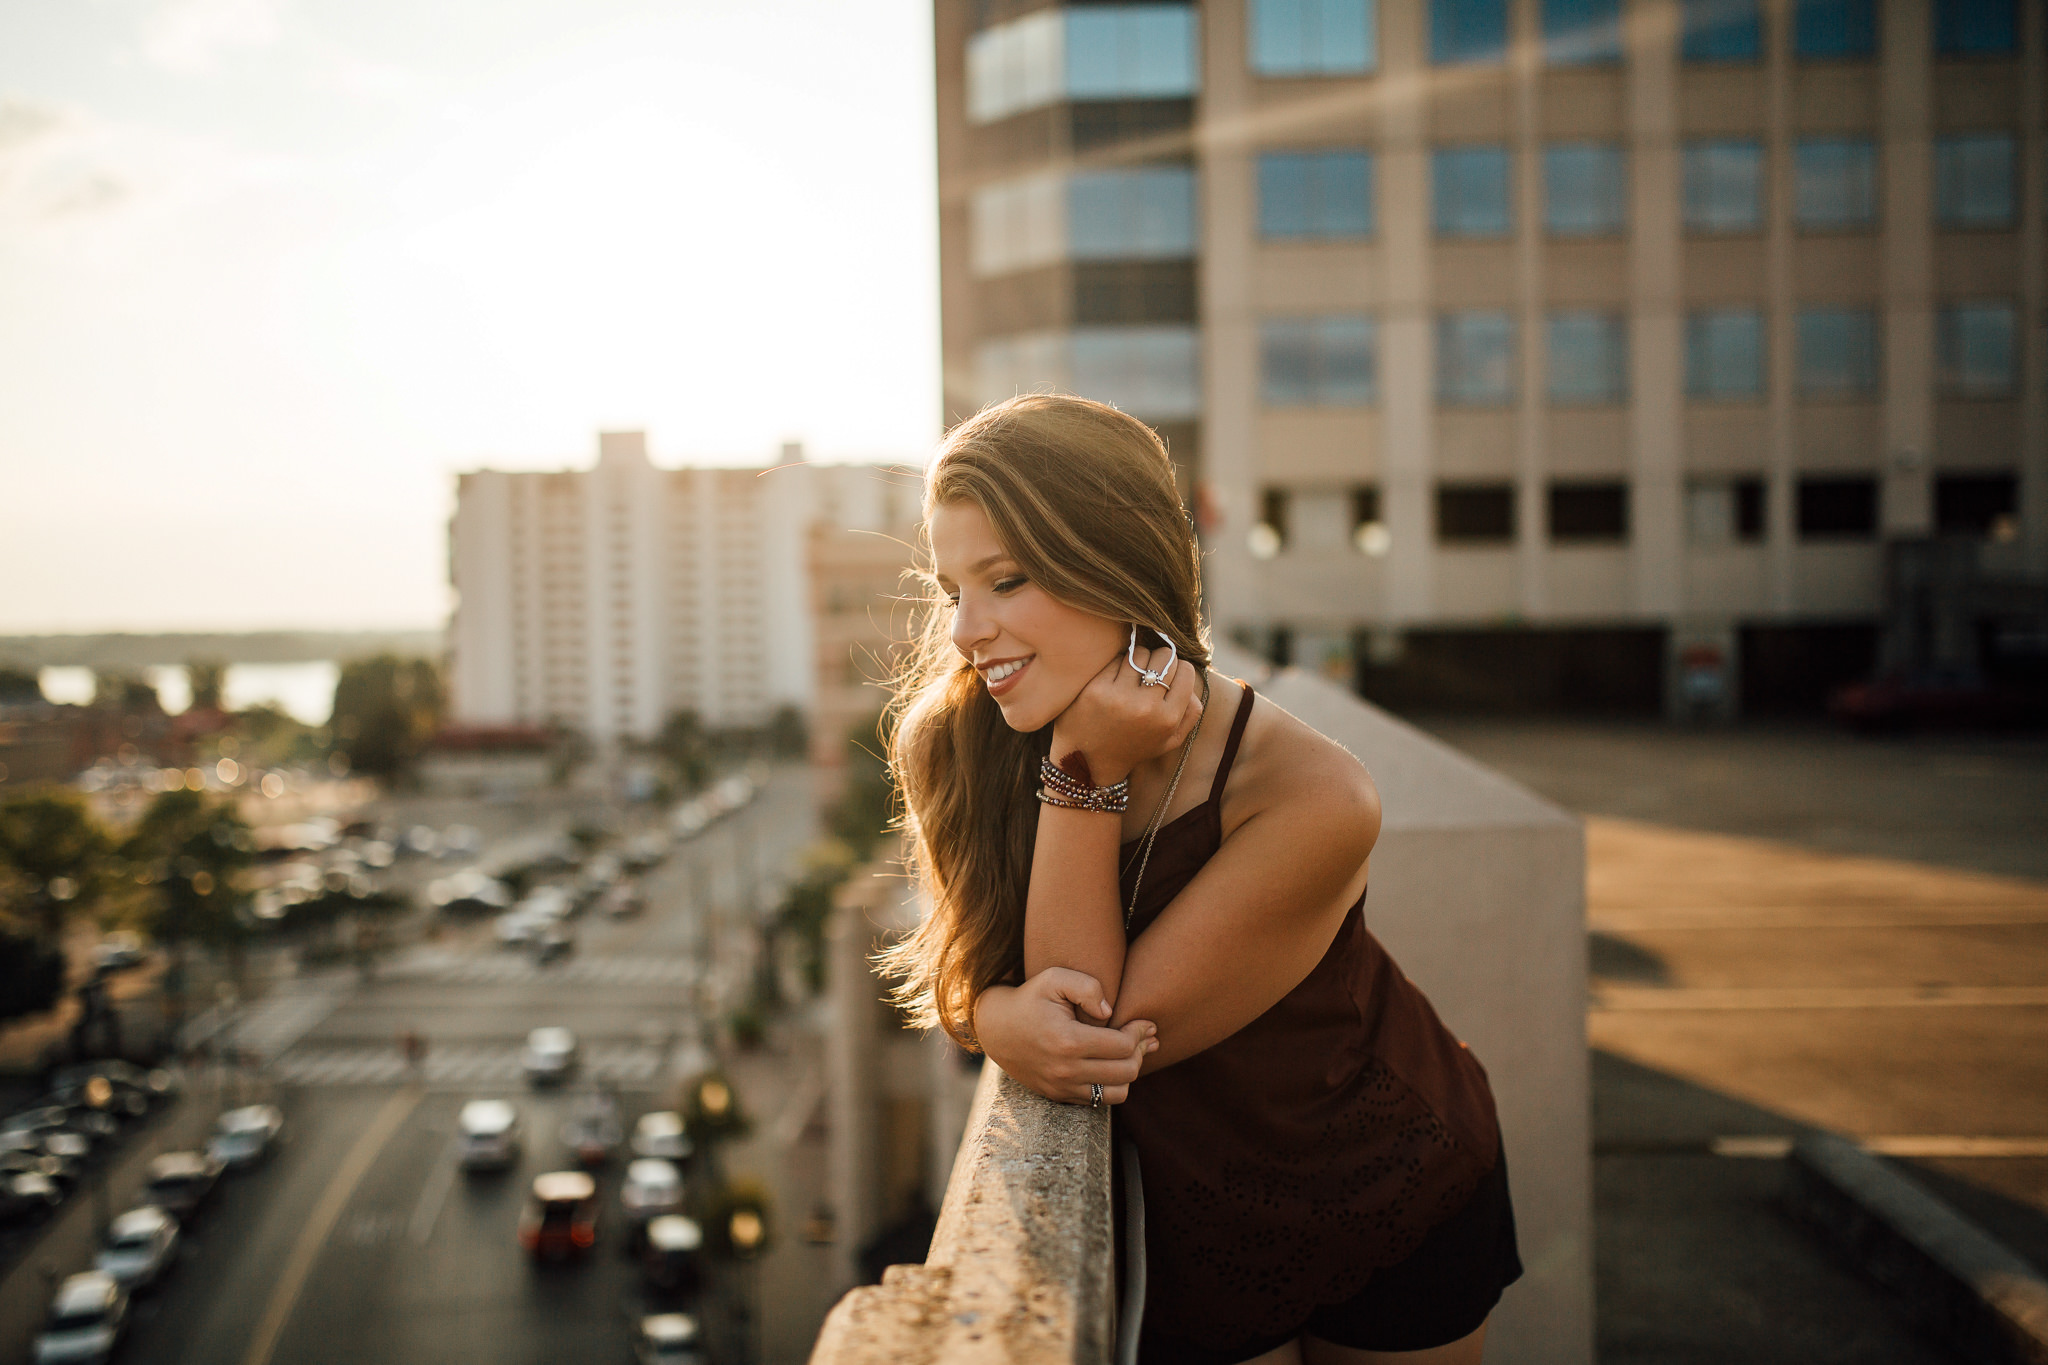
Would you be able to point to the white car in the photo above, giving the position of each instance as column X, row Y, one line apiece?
column 653, row 1188
column 242, row 1137
column 86, row 1320
column 661, row 1134
column 668, row 1339
column 140, row 1246
column 488, row 1135
column 551, row 1056
column 517, row 928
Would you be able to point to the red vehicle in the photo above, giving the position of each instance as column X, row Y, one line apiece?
column 560, row 1217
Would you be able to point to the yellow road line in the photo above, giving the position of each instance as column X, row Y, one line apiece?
column 314, row 1235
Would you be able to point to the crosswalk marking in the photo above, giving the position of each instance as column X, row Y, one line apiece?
column 618, row 1063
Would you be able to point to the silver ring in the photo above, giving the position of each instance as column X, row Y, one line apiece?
column 1146, row 677
column 1095, row 1093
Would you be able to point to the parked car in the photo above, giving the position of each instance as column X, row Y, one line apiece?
column 243, row 1137
column 672, row 1254
column 653, row 1187
column 661, row 1134
column 487, row 1135
column 158, row 1085
column 180, row 1183
column 27, row 1197
column 560, row 1217
column 65, row 1173
column 86, row 1321
column 551, row 1056
column 668, row 1339
column 140, row 1246
column 118, row 952
column 593, row 1130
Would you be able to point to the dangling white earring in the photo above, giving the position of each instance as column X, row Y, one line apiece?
column 1146, row 677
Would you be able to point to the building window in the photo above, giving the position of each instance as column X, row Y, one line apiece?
column 1475, row 359
column 1973, row 181
column 1975, row 344
column 1837, row 352
column 1319, row 362
column 1475, row 513
column 1720, row 31
column 1977, row 505
column 1581, row 32
column 1315, row 196
column 1834, row 28
column 1368, row 528
column 1724, row 354
column 1582, row 512
column 1588, row 358
column 1976, row 28
column 1468, row 31
column 1585, row 189
column 1469, row 191
column 1834, row 183
column 1146, row 213
column 1151, row 371
column 1838, row 508
column 1314, row 37
column 1725, row 511
column 1097, row 52
column 1724, row 186
column 1269, row 536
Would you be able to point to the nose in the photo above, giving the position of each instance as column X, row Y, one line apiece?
column 972, row 628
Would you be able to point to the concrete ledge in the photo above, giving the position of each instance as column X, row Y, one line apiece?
column 1021, row 1263
column 1963, row 1286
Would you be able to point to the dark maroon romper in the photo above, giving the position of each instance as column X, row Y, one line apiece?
column 1333, row 1167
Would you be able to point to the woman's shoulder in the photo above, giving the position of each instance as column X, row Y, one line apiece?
column 1287, row 767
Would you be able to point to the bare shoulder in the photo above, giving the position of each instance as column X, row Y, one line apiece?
column 1289, row 769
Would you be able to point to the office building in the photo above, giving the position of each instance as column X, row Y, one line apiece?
column 1527, row 350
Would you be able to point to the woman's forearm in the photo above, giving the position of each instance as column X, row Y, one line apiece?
column 1071, row 916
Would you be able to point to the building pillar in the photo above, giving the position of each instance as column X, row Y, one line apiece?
column 1906, row 171
column 1781, row 320
column 1532, row 457
column 1408, row 331
column 1656, row 341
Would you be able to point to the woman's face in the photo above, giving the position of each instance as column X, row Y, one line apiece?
column 1034, row 653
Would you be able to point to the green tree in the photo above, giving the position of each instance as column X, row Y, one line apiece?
column 684, row 743
column 386, row 710
column 19, row 686
column 861, row 814
column 787, row 735
column 56, row 855
column 117, row 689
column 206, row 678
column 191, row 849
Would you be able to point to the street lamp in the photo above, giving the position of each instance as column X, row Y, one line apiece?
column 99, row 1093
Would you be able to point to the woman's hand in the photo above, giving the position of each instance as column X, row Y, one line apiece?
column 1042, row 1034
column 1119, row 722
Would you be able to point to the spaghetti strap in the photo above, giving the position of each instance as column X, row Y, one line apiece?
column 1244, row 711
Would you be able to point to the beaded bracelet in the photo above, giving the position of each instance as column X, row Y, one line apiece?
column 1063, row 789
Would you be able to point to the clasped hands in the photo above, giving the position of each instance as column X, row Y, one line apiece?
column 1119, row 722
column 1051, row 1034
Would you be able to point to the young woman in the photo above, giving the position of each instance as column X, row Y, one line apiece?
column 1148, row 890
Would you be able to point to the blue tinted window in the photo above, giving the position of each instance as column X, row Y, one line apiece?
column 1475, row 358
column 1837, row 351
column 1468, row 30
column 1130, row 52
column 1724, row 186
column 1975, row 341
column 1576, row 32
column 1585, row 189
column 1314, row 37
column 1973, row 181
column 1724, row 354
column 1315, row 195
column 1834, row 183
column 1720, row 31
column 1974, row 28
column 1319, row 362
column 1588, row 358
column 1135, row 214
column 1469, row 188
column 1834, row 28
column 1147, row 371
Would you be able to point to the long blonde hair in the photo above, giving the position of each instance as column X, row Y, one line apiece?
column 1083, row 497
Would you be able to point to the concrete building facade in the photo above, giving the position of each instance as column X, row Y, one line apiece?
column 603, row 600
column 1547, row 349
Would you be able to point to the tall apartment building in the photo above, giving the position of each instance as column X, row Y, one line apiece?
column 1526, row 346
column 605, row 599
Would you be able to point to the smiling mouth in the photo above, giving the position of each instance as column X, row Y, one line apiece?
column 1003, row 676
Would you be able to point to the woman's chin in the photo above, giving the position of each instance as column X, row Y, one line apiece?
column 1024, row 715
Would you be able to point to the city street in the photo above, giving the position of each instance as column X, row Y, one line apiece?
column 361, row 1240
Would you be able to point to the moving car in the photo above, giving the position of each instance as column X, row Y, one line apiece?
column 653, row 1187
column 661, row 1134
column 242, row 1137
column 560, row 1217
column 181, row 1182
column 593, row 1129
column 672, row 1254
column 487, row 1135
column 86, row 1321
column 668, row 1339
column 551, row 1056
column 140, row 1247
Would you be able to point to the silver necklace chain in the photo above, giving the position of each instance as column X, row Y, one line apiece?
column 1159, row 814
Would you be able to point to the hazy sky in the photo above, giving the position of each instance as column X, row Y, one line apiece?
column 270, row 270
